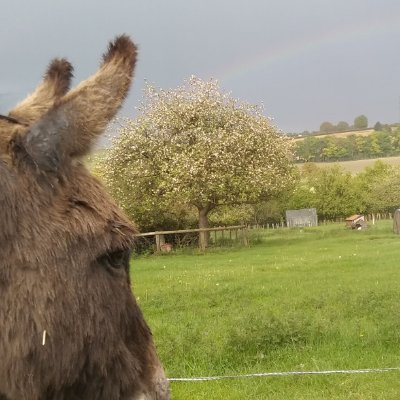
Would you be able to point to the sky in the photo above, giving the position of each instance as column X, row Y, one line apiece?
column 306, row 61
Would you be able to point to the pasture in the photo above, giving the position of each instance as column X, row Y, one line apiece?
column 357, row 166
column 296, row 300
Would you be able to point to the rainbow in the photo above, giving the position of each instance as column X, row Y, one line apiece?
column 308, row 44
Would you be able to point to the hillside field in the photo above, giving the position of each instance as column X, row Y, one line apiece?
column 359, row 165
column 364, row 132
column 322, row 298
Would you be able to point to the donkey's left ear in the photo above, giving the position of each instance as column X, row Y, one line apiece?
column 55, row 84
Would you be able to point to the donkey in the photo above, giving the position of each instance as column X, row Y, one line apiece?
column 70, row 328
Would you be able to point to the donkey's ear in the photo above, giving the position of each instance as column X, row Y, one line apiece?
column 55, row 84
column 69, row 128
column 90, row 107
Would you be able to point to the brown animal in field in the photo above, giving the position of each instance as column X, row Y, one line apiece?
column 70, row 327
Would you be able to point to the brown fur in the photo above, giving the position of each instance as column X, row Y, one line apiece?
column 55, row 84
column 64, row 250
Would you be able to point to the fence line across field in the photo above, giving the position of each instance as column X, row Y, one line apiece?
column 282, row 224
column 160, row 235
column 286, row 373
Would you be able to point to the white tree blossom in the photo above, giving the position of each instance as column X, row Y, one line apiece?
column 196, row 145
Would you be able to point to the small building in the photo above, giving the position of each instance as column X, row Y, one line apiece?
column 301, row 218
column 356, row 221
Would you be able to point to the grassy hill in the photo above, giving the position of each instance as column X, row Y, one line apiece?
column 350, row 145
column 365, row 132
column 358, row 166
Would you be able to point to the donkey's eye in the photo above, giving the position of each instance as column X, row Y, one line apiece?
column 116, row 259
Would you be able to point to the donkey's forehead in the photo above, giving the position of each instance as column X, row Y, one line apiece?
column 91, row 213
column 85, row 193
column 72, row 209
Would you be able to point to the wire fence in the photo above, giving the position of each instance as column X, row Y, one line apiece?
column 286, row 373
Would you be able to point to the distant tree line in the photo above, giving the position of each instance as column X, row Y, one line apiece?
column 326, row 127
column 380, row 143
column 334, row 192
column 360, row 122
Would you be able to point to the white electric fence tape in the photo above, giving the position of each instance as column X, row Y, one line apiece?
column 289, row 373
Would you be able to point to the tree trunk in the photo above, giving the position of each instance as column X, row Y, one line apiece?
column 203, row 223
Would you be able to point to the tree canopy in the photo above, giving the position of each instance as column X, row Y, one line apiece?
column 197, row 146
column 342, row 126
column 361, row 122
column 327, row 127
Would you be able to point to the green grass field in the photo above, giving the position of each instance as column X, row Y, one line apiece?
column 295, row 300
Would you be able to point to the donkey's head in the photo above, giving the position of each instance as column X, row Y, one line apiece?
column 70, row 327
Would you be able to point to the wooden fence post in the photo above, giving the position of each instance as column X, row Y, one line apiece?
column 396, row 222
column 160, row 240
column 245, row 238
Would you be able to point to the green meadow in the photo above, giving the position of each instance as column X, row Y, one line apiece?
column 313, row 299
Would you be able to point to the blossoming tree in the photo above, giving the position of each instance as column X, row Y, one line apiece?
column 198, row 146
